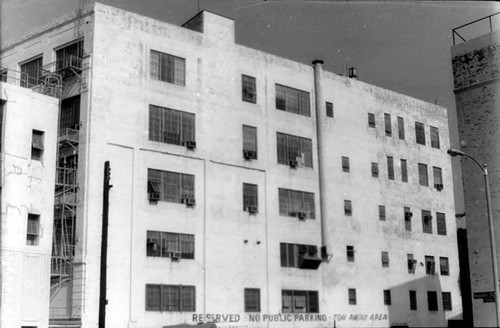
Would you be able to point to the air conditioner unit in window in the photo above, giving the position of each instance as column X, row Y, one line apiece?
column 301, row 215
column 190, row 144
column 190, row 202
column 408, row 215
column 249, row 154
column 293, row 163
column 154, row 196
column 251, row 209
column 175, row 256
column 309, row 259
column 438, row 186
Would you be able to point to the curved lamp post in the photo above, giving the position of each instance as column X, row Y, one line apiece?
column 484, row 168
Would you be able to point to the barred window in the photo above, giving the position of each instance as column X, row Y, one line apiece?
column 430, row 265
column 248, row 89
column 385, row 259
column 169, row 244
column 441, row 223
column 37, row 145
column 423, row 178
column 293, row 150
column 299, row 301
column 329, row 109
column 420, row 133
column 249, row 142
column 387, row 297
column 250, row 198
column 444, row 266
column 381, row 212
column 33, row 228
column 390, row 168
column 296, row 203
column 388, row 127
column 171, row 186
column 252, row 300
column 167, row 68
column 371, row 120
column 31, row 72
column 345, row 164
column 291, row 254
column 170, row 298
column 374, row 170
column 404, row 171
column 292, row 100
column 432, row 301
column 171, row 126
column 413, row 300
column 434, row 137
column 447, row 305
column 352, row 296
column 426, row 221
column 401, row 128
column 438, row 177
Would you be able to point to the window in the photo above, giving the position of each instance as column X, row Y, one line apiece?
column 171, row 187
column 432, row 301
column 31, row 72
column 300, row 301
column 388, row 127
column 352, row 296
column 446, row 301
column 413, row 300
column 345, row 164
column 252, row 300
column 420, row 133
column 248, row 89
column 404, row 171
column 170, row 298
column 329, row 109
column 371, row 120
column 387, row 297
column 70, row 56
column 37, row 145
column 33, row 228
column 250, row 198
column 168, row 68
column 408, row 215
column 350, row 253
column 249, row 142
column 1, row 123
column 430, row 265
column 434, row 137
column 412, row 263
column 438, row 178
column 292, row 100
column 297, row 203
column 401, row 128
column 385, row 259
column 293, row 150
column 170, row 244
column 297, row 256
column 441, row 223
column 3, row 75
column 390, row 168
column 426, row 222
column 444, row 266
column 70, row 114
column 171, row 126
column 374, row 170
column 347, row 207
column 423, row 179
column 381, row 213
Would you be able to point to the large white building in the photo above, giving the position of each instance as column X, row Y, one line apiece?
column 247, row 189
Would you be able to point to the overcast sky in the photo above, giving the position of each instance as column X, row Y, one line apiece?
column 399, row 45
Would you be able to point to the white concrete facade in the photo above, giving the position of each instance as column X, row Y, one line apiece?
column 233, row 249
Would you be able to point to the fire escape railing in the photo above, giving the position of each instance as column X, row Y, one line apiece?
column 461, row 27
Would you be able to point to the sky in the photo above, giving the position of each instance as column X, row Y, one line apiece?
column 403, row 46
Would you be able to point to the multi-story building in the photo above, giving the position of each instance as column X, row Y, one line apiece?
column 247, row 189
column 477, row 92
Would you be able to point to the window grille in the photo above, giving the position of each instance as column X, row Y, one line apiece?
column 423, row 178
column 374, row 170
column 173, row 187
column 33, row 228
column 37, row 145
column 252, row 300
column 250, row 198
column 388, row 127
column 435, row 137
column 292, row 100
column 293, row 150
column 329, row 109
column 248, row 89
column 249, row 142
column 299, row 301
column 390, row 168
column 441, row 223
column 294, row 203
column 404, row 171
column 444, row 266
column 31, row 73
column 167, row 68
column 426, row 222
column 171, row 126
column 420, row 133
column 401, row 128
column 371, row 120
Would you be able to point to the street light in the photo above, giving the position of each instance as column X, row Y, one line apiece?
column 484, row 168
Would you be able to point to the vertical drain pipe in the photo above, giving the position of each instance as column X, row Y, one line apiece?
column 320, row 114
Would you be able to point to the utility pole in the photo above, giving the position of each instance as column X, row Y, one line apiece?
column 104, row 245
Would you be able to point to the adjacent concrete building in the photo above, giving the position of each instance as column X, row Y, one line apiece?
column 248, row 189
column 476, row 72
